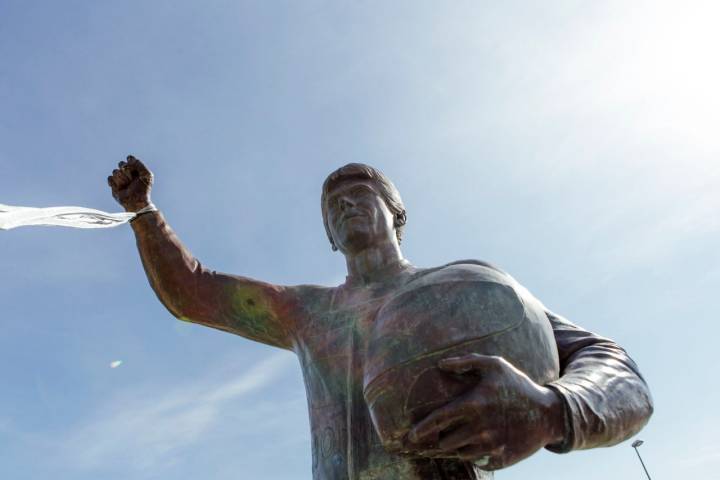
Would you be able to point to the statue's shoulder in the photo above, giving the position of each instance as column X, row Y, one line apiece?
column 312, row 293
column 459, row 269
column 472, row 261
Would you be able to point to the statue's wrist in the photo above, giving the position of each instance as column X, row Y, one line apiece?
column 147, row 209
column 555, row 414
column 136, row 206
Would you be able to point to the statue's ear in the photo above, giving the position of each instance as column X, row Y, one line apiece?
column 400, row 219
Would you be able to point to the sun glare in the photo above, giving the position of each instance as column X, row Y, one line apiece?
column 669, row 67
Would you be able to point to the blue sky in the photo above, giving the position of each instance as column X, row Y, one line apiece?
column 574, row 144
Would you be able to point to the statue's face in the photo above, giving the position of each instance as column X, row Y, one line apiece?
column 358, row 217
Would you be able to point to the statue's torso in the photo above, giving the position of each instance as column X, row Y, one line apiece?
column 330, row 346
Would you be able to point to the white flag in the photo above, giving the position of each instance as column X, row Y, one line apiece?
column 75, row 217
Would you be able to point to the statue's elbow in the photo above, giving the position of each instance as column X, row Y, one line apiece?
column 649, row 407
column 183, row 297
column 644, row 408
column 173, row 303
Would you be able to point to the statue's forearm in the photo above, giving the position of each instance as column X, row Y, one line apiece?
column 607, row 399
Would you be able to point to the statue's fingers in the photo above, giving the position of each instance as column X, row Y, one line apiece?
column 469, row 363
column 120, row 179
column 125, row 171
column 113, row 188
column 467, row 435
column 486, row 458
column 137, row 164
column 429, row 428
column 139, row 170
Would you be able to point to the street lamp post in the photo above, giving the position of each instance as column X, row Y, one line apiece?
column 635, row 445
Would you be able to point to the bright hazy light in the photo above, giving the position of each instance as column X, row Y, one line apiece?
column 665, row 66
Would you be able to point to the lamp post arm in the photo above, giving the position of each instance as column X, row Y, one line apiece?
column 642, row 463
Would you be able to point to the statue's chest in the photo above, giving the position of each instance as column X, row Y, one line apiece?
column 332, row 348
column 331, row 351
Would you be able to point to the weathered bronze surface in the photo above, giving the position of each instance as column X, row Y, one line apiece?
column 444, row 373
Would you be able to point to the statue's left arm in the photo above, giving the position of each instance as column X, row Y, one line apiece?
column 599, row 400
column 606, row 398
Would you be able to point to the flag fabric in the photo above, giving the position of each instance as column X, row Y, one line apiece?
column 74, row 217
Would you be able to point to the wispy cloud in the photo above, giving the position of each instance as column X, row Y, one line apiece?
column 681, row 223
column 702, row 456
column 146, row 430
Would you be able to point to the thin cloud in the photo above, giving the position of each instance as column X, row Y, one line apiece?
column 709, row 454
column 146, row 434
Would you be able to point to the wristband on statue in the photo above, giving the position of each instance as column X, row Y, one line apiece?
column 149, row 208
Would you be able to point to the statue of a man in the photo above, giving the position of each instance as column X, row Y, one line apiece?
column 600, row 398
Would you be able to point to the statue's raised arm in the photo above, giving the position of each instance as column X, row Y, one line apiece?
column 191, row 292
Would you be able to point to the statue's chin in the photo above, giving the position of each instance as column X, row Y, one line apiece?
column 355, row 242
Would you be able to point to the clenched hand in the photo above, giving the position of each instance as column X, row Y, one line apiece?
column 131, row 183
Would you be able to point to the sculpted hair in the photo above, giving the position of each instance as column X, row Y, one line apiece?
column 360, row 171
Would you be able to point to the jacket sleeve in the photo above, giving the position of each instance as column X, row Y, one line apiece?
column 606, row 397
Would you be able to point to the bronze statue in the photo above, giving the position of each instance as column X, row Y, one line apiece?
column 444, row 373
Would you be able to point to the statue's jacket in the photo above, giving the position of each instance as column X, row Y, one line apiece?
column 606, row 398
column 331, row 345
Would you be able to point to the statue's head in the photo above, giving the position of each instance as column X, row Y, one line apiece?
column 360, row 204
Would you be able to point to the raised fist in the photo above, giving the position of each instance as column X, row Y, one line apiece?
column 131, row 183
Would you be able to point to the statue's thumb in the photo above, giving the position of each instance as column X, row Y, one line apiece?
column 455, row 365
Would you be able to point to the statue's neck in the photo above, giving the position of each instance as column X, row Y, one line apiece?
column 375, row 264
